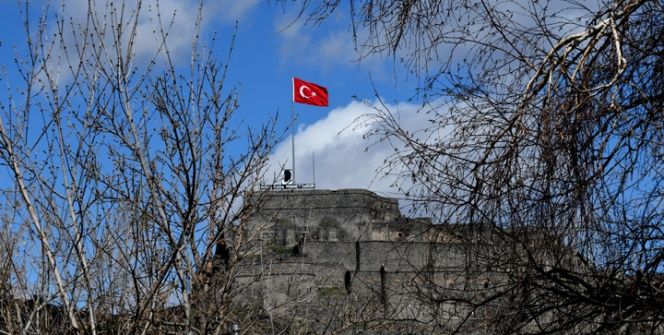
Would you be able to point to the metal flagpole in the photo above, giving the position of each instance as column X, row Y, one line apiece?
column 293, row 143
column 313, row 167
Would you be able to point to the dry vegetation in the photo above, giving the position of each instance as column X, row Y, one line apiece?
column 543, row 116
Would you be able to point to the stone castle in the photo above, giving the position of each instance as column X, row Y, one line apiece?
column 338, row 260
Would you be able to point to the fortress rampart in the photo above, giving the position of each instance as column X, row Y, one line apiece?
column 319, row 248
column 348, row 262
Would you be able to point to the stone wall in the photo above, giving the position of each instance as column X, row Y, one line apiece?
column 348, row 261
column 288, row 216
column 323, row 249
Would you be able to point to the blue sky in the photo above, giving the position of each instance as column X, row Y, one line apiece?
column 271, row 47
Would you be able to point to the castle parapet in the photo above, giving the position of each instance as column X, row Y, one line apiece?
column 333, row 203
column 287, row 218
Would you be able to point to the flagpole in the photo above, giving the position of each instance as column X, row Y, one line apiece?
column 293, row 142
column 313, row 167
column 306, row 93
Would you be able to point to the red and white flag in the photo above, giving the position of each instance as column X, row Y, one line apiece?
column 309, row 93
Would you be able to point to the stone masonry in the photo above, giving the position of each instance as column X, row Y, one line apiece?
column 328, row 259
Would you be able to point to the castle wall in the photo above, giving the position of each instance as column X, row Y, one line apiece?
column 344, row 215
column 319, row 250
column 327, row 259
column 317, row 204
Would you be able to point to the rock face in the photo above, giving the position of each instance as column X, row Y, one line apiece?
column 331, row 259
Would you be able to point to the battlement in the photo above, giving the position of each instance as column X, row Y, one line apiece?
column 317, row 245
column 285, row 217
column 320, row 203
column 320, row 257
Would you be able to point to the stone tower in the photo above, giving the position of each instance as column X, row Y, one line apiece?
column 321, row 251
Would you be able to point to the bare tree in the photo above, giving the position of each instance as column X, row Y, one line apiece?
column 127, row 174
column 546, row 130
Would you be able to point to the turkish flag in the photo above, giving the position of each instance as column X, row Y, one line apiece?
column 309, row 93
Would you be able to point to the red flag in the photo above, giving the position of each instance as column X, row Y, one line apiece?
column 309, row 93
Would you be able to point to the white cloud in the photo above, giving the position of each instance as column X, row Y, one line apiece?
column 177, row 18
column 329, row 44
column 233, row 10
column 325, row 49
column 295, row 41
column 344, row 157
column 183, row 15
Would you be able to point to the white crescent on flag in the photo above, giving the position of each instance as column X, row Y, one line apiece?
column 303, row 94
